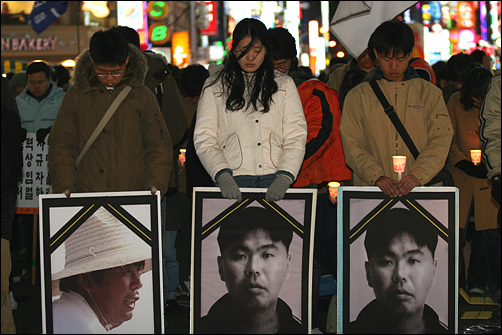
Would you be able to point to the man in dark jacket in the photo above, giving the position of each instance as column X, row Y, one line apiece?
column 133, row 152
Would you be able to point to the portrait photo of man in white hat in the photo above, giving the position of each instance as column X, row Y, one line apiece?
column 99, row 286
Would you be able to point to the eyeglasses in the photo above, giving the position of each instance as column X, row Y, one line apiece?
column 115, row 74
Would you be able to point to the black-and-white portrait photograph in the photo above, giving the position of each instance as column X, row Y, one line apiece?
column 100, row 263
column 397, row 267
column 251, row 262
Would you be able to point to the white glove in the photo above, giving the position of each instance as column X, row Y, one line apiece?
column 278, row 188
column 228, row 186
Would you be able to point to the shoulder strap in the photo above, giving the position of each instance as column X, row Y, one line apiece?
column 391, row 113
column 111, row 110
column 159, row 76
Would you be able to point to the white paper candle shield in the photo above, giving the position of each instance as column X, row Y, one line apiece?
column 399, row 163
column 476, row 156
column 333, row 188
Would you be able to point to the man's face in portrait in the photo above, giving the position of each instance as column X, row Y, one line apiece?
column 254, row 269
column 116, row 294
column 401, row 274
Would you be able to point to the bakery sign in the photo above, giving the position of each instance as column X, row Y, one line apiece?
column 29, row 44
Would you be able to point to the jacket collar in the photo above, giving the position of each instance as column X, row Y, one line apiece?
column 85, row 78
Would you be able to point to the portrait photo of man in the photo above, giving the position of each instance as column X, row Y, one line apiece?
column 98, row 289
column 254, row 263
column 401, row 268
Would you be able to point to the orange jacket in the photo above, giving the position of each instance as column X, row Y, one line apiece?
column 324, row 160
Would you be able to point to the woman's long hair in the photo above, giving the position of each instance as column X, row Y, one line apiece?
column 232, row 77
column 475, row 85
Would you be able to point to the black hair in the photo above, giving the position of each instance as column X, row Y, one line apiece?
column 244, row 220
column 192, row 80
column 284, row 45
column 60, row 75
column 475, row 85
column 37, row 67
column 389, row 224
column 130, row 35
column 109, row 47
column 264, row 85
column 440, row 72
column 390, row 39
column 478, row 55
column 458, row 66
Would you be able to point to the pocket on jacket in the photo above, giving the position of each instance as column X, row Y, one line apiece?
column 231, row 146
column 276, row 148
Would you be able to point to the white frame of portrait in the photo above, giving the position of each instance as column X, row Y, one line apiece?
column 61, row 216
column 209, row 206
column 356, row 207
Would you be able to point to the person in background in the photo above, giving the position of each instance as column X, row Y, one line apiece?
column 160, row 81
column 133, row 152
column 351, row 79
column 457, row 68
column 473, row 184
column 439, row 69
column 61, row 76
column 481, row 59
column 489, row 135
column 364, row 62
column 40, row 100
column 423, row 69
column 192, row 80
column 18, row 82
column 418, row 104
column 324, row 160
column 12, row 165
column 250, row 129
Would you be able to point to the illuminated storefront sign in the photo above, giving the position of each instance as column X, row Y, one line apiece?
column 29, row 44
column 158, row 32
column 132, row 14
column 181, row 48
column 466, row 15
column 211, row 18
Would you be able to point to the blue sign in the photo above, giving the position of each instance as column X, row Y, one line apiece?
column 44, row 13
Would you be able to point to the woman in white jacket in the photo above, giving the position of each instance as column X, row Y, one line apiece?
column 250, row 127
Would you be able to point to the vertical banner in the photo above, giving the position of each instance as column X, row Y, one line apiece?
column 35, row 175
column 398, row 261
column 100, row 262
column 251, row 262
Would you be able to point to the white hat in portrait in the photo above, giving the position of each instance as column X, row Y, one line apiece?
column 101, row 242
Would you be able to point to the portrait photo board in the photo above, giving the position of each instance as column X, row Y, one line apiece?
column 211, row 210
column 139, row 212
column 357, row 207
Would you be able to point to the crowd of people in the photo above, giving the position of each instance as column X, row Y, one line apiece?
column 261, row 120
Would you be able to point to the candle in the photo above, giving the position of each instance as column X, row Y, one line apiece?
column 182, row 157
column 476, row 156
column 399, row 163
column 333, row 191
